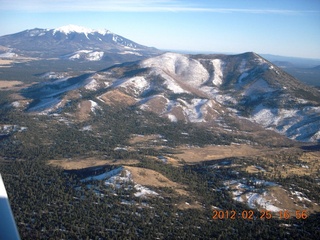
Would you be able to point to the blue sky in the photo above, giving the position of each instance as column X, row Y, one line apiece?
column 280, row 27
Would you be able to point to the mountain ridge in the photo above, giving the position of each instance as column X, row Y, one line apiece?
column 68, row 40
column 202, row 89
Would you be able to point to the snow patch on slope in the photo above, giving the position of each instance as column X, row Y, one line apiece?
column 225, row 99
column 92, row 85
column 259, row 86
column 8, row 55
column 86, row 54
column 178, row 66
column 258, row 59
column 53, row 75
column 267, row 117
column 103, row 175
column 143, row 191
column 16, row 104
column 218, row 72
column 45, row 105
column 301, row 124
column 173, row 86
column 172, row 118
column 243, row 64
column 242, row 77
column 136, row 84
column 119, row 178
column 94, row 56
column 130, row 52
column 94, row 106
column 256, row 200
column 242, row 192
column 194, row 111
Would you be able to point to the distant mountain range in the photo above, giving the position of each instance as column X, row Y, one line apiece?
column 204, row 89
column 294, row 61
column 73, row 42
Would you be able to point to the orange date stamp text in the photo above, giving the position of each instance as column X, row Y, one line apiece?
column 262, row 214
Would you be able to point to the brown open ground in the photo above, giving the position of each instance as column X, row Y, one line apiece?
column 146, row 139
column 174, row 161
column 253, row 169
column 193, row 154
column 4, row 84
column 148, row 177
column 143, row 176
column 17, row 96
column 84, row 110
column 189, row 205
column 75, row 164
column 6, row 61
column 214, row 152
column 286, row 202
column 117, row 98
column 152, row 178
column 310, row 165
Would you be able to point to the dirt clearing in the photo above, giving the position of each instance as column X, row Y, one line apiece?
column 152, row 178
column 5, row 62
column 84, row 110
column 117, row 98
column 76, row 164
column 7, row 85
column 207, row 153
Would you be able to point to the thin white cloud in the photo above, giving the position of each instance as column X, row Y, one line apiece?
column 130, row 6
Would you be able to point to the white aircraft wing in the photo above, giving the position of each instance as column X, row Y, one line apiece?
column 8, row 227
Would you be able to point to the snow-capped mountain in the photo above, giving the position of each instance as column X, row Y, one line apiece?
column 78, row 29
column 73, row 40
column 204, row 89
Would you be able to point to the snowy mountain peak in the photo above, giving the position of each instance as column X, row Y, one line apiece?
column 79, row 29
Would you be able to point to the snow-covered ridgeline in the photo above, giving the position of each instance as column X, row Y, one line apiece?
column 78, row 29
column 178, row 66
column 122, row 41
